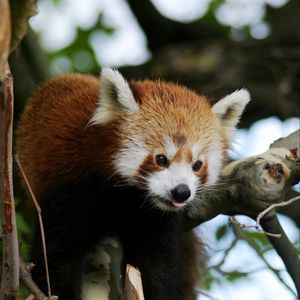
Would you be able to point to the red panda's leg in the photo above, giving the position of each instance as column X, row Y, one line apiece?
column 168, row 260
column 192, row 254
column 156, row 253
column 64, row 272
column 68, row 234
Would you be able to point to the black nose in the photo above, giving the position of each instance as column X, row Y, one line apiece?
column 181, row 192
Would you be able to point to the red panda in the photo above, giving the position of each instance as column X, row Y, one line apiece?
column 111, row 157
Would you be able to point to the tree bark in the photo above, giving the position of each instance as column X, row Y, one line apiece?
column 10, row 269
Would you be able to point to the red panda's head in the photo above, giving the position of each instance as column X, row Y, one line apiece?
column 173, row 141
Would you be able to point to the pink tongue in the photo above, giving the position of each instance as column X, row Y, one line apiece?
column 178, row 204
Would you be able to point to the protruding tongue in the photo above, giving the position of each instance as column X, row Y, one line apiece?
column 178, row 203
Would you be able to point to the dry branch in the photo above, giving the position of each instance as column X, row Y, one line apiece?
column 25, row 275
column 257, row 225
column 39, row 211
column 133, row 284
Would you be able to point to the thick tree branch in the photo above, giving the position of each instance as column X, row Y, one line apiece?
column 10, row 270
column 284, row 249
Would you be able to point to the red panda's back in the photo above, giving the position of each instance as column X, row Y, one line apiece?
column 47, row 134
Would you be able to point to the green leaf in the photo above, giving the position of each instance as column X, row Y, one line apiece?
column 21, row 11
column 221, row 232
column 209, row 277
column 56, row 2
column 236, row 275
column 261, row 240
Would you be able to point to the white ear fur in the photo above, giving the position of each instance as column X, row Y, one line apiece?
column 229, row 109
column 115, row 96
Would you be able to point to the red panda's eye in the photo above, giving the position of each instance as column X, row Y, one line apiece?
column 197, row 165
column 162, row 160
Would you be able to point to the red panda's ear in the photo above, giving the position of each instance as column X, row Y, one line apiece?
column 229, row 109
column 115, row 97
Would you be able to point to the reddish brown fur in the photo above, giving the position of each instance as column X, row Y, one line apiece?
column 185, row 110
column 59, row 112
column 202, row 173
column 148, row 167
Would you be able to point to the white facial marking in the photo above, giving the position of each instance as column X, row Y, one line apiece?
column 130, row 158
column 171, row 148
column 196, row 150
column 214, row 161
column 161, row 183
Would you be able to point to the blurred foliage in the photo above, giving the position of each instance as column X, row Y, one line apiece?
column 80, row 56
column 217, row 273
column 221, row 232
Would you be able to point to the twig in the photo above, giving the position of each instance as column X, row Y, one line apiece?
column 36, row 293
column 200, row 291
column 39, row 211
column 281, row 204
column 33, row 297
column 257, row 225
column 232, row 220
column 226, row 253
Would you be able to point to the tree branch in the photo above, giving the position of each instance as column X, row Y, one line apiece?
column 256, row 187
column 284, row 249
column 257, row 225
column 5, row 36
column 133, row 289
column 10, row 270
column 25, row 275
column 248, row 186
